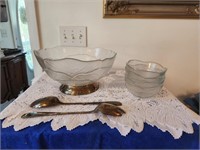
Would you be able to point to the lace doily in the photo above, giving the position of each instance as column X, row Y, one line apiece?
column 164, row 110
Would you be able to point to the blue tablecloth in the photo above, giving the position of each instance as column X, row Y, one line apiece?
column 94, row 135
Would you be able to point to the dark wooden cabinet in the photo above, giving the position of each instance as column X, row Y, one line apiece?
column 13, row 76
column 5, row 85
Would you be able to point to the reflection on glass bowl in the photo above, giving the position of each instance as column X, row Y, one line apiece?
column 78, row 69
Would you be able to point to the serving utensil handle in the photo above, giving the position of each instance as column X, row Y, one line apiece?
column 116, row 103
column 40, row 114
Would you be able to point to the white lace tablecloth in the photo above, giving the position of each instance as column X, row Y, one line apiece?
column 164, row 110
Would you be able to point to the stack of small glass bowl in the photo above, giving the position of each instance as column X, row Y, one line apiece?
column 144, row 79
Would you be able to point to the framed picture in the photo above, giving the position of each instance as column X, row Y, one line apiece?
column 188, row 9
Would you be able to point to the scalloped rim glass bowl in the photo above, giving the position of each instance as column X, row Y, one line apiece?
column 78, row 69
column 144, row 78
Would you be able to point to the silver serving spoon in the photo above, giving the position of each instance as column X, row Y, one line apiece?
column 105, row 108
column 54, row 101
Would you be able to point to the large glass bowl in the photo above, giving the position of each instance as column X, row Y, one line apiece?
column 78, row 69
column 144, row 79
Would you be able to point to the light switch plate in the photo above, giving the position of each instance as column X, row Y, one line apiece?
column 74, row 36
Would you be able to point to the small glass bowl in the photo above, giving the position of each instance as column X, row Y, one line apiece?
column 78, row 69
column 146, row 70
column 138, row 78
column 144, row 79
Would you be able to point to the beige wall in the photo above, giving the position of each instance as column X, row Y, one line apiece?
column 171, row 42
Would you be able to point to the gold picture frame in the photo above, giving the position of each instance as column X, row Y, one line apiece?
column 185, row 9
